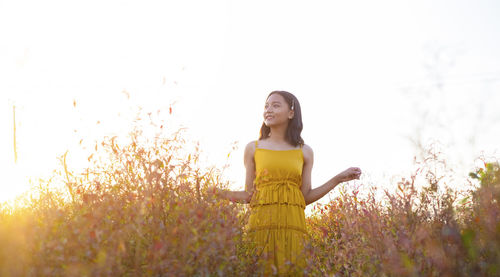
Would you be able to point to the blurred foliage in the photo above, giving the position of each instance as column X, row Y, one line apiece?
column 145, row 208
column 142, row 208
column 418, row 233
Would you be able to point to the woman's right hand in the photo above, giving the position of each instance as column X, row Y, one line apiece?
column 349, row 174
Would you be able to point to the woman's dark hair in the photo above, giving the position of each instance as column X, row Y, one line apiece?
column 294, row 125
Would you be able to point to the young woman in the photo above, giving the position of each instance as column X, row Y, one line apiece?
column 278, row 184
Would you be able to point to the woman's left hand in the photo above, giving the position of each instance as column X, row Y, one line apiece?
column 349, row 174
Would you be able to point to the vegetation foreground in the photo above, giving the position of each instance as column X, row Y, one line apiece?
column 141, row 209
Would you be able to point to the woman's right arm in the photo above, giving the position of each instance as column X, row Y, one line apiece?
column 243, row 196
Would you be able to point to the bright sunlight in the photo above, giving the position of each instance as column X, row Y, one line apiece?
column 124, row 125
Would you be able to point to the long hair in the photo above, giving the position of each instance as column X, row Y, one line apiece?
column 294, row 125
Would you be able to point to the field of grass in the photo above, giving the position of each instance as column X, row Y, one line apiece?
column 143, row 209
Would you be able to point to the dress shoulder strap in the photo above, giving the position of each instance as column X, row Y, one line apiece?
column 256, row 143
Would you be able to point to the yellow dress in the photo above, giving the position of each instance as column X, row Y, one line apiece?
column 277, row 223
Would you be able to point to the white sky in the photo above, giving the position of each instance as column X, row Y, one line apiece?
column 348, row 62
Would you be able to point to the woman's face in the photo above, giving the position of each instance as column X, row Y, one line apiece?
column 276, row 110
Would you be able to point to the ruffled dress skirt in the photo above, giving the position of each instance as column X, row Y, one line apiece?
column 277, row 226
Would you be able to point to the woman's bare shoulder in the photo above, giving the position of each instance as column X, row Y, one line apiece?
column 307, row 147
column 251, row 144
column 308, row 151
column 250, row 147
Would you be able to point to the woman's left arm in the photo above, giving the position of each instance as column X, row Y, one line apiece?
column 311, row 195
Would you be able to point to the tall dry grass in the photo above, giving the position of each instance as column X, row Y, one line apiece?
column 428, row 228
column 140, row 209
column 144, row 208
